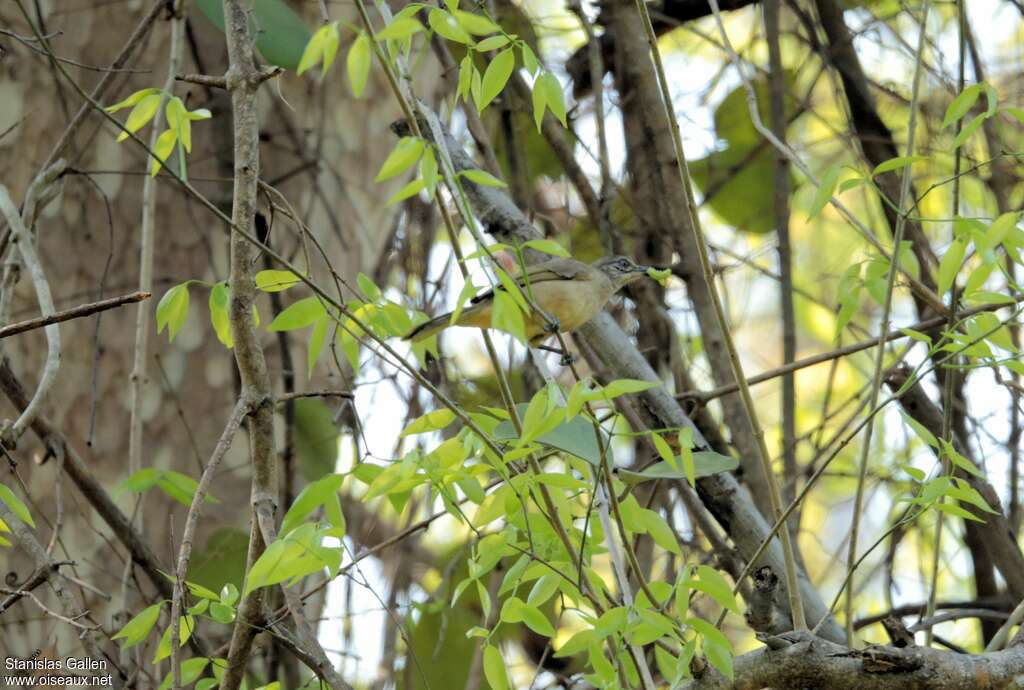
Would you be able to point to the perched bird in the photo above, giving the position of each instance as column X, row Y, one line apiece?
column 569, row 291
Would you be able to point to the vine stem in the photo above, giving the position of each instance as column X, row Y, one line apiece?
column 876, row 381
column 792, row 583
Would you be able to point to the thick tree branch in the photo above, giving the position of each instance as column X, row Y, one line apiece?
column 805, row 661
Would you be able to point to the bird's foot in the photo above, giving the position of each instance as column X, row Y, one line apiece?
column 552, row 326
column 568, row 359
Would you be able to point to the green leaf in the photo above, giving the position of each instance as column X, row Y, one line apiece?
column 276, row 281
column 186, row 625
column 660, row 532
column 969, row 129
column 447, row 26
column 162, row 150
column 358, row 63
column 16, row 505
column 897, row 163
column 314, row 50
column 311, row 497
column 368, row 287
column 536, row 621
column 714, row 585
column 922, row 433
column 405, row 154
column 281, row 35
column 136, row 630
column 399, row 29
column 432, row 421
column 476, row 24
column 545, row 586
column 962, row 104
column 482, row 178
column 411, row 188
column 494, row 669
column 316, row 438
column 495, row 77
column 547, row 246
column 172, row 310
column 705, row 464
column 301, row 314
column 132, row 100
column 507, row 316
column 575, row 437
column 547, row 93
column 949, row 266
column 317, row 339
column 191, row 669
column 142, row 113
column 626, row 387
column 825, row 190
column 218, row 303
column 492, row 43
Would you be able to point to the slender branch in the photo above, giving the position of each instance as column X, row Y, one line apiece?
column 927, row 326
column 792, row 585
column 188, row 533
column 876, row 381
column 41, row 191
column 78, row 312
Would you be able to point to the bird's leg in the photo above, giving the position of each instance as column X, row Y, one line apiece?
column 552, row 325
column 567, row 357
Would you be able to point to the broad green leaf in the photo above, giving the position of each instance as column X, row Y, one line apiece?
column 191, row 669
column 825, row 190
column 922, row 433
column 705, row 463
column 482, row 178
column 358, row 63
column 897, row 163
column 660, row 531
column 142, row 113
column 494, row 669
column 273, row 280
column 186, row 626
column 714, row 585
column 132, row 100
column 507, row 316
column 626, row 387
column 218, row 304
column 314, row 50
column 476, row 24
column 447, row 26
column 949, row 266
column 301, row 314
column 311, row 497
column 163, row 150
column 136, row 630
column 172, row 310
column 545, row 586
column 968, row 131
column 317, row 339
column 411, row 188
column 495, row 77
column 16, row 505
column 368, row 287
column 400, row 28
column 962, row 104
column 281, row 35
column 432, row 421
column 546, row 246
column 492, row 43
column 405, row 154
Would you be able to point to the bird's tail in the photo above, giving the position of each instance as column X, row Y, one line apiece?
column 429, row 328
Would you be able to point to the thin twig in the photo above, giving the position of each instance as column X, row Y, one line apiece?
column 78, row 312
column 876, row 381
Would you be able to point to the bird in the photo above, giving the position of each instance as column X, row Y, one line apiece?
column 569, row 291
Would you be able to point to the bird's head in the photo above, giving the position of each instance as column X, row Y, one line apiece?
column 620, row 270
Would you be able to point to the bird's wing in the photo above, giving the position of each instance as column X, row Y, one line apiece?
column 554, row 269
